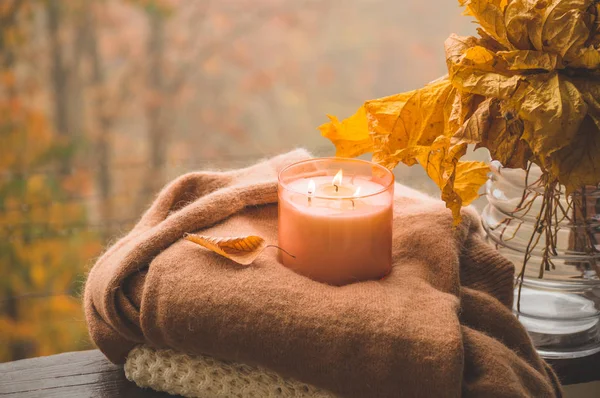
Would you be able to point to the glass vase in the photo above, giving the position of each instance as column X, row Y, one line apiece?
column 558, row 297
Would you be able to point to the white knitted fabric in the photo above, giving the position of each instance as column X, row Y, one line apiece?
column 206, row 377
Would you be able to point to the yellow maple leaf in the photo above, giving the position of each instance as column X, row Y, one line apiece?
column 458, row 180
column 470, row 176
column 402, row 122
column 351, row 136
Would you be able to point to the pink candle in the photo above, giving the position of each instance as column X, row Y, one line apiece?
column 335, row 218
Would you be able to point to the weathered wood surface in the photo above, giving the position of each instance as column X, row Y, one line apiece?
column 89, row 374
column 73, row 374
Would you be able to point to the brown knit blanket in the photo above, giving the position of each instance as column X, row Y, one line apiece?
column 439, row 325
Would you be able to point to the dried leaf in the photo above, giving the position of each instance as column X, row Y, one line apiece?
column 464, row 54
column 388, row 130
column 564, row 28
column 470, row 176
column 493, row 85
column 455, row 46
column 588, row 58
column 480, row 58
column 518, row 15
column 351, row 136
column 530, row 60
column 503, row 137
column 459, row 181
column 489, row 42
column 590, row 91
column 476, row 69
column 475, row 128
column 578, row 165
column 490, row 15
column 402, row 122
column 552, row 109
column 463, row 107
column 242, row 250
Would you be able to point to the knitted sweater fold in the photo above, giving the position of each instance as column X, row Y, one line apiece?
column 439, row 325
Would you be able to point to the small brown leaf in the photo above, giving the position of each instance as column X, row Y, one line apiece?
column 243, row 250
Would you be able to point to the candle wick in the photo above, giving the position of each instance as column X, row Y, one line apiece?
column 352, row 200
column 309, row 200
column 336, row 188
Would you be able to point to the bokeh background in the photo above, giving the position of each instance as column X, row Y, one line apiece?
column 103, row 101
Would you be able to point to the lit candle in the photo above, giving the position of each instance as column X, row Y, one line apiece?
column 335, row 219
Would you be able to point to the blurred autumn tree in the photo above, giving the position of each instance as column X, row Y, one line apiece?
column 103, row 101
column 39, row 313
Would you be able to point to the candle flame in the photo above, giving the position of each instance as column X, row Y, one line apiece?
column 337, row 180
column 311, row 187
column 357, row 192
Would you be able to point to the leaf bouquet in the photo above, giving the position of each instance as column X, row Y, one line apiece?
column 527, row 89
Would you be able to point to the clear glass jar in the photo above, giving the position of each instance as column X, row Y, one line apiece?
column 559, row 303
column 335, row 219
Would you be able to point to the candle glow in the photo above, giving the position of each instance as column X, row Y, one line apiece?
column 337, row 180
column 311, row 187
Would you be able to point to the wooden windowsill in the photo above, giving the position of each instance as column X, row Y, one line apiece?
column 89, row 373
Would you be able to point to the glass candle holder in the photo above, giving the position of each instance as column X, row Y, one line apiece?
column 335, row 219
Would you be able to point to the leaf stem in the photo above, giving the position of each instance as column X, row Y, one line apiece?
column 283, row 250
